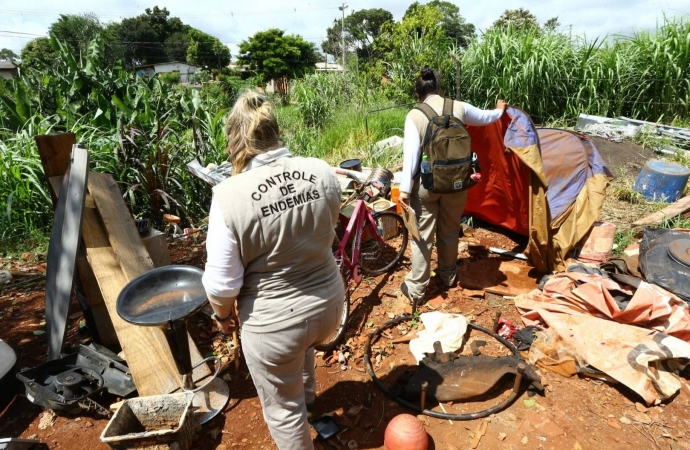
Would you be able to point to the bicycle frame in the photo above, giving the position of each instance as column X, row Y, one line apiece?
column 359, row 217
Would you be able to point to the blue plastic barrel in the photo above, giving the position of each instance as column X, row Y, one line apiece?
column 662, row 180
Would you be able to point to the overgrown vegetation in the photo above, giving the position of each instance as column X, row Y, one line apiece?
column 144, row 131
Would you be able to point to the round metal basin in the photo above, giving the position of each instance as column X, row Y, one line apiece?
column 162, row 295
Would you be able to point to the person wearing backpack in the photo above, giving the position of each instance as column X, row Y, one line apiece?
column 438, row 168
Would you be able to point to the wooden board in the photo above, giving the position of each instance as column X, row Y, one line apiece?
column 55, row 152
column 146, row 350
column 62, row 252
column 498, row 277
column 669, row 212
column 122, row 232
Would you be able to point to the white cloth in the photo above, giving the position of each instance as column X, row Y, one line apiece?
column 224, row 272
column 448, row 329
column 412, row 142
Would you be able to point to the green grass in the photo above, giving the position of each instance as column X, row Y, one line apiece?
column 621, row 240
column 344, row 135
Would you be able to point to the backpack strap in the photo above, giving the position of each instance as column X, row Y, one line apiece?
column 447, row 107
column 430, row 114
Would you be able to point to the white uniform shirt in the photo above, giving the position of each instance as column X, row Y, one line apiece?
column 412, row 143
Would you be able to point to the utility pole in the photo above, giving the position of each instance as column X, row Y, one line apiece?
column 342, row 31
column 458, row 74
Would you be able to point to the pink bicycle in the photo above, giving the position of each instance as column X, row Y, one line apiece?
column 379, row 239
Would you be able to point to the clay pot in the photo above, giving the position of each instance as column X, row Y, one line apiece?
column 405, row 432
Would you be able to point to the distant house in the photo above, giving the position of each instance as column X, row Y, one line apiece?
column 241, row 70
column 8, row 70
column 282, row 85
column 184, row 69
column 328, row 67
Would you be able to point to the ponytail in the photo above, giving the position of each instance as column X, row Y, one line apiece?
column 252, row 129
column 427, row 83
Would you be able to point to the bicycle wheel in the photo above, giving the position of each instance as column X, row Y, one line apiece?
column 375, row 258
column 334, row 339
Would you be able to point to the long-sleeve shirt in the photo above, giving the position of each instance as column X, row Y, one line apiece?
column 412, row 142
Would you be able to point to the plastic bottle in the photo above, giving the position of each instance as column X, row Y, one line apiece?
column 427, row 176
column 395, row 198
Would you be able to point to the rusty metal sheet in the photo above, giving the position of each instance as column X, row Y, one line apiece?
column 498, row 277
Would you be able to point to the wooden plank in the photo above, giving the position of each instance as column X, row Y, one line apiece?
column 669, row 212
column 122, row 232
column 62, row 252
column 55, row 151
column 146, row 350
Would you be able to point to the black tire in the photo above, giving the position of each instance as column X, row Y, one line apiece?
column 337, row 336
column 376, row 259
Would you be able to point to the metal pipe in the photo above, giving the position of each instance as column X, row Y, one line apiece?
column 518, row 376
column 366, row 117
column 497, row 317
column 422, row 396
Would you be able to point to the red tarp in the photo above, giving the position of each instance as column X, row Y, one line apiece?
column 501, row 197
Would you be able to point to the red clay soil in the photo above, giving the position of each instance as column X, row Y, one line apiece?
column 572, row 414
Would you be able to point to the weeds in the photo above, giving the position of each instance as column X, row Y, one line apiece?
column 622, row 240
column 627, row 194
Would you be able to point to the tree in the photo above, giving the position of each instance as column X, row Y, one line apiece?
column 38, row 54
column 206, row 51
column 139, row 43
column 7, row 55
column 361, row 28
column 272, row 54
column 333, row 45
column 176, row 46
column 520, row 19
column 457, row 29
column 551, row 24
column 76, row 30
column 144, row 38
column 408, row 45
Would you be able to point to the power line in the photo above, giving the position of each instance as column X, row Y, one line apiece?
column 294, row 10
column 130, row 42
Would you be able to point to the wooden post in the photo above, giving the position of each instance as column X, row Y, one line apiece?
column 458, row 74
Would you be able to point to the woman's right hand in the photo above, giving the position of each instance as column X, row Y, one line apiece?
column 229, row 326
column 501, row 104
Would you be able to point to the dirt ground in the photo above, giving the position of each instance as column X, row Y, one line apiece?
column 572, row 413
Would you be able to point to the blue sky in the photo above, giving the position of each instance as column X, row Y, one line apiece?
column 233, row 21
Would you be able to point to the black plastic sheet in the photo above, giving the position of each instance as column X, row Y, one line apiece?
column 658, row 267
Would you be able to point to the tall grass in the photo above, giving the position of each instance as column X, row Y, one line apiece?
column 553, row 75
column 144, row 131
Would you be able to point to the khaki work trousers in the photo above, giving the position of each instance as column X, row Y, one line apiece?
column 282, row 367
column 438, row 215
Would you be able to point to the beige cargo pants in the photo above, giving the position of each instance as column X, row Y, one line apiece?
column 282, row 367
column 439, row 216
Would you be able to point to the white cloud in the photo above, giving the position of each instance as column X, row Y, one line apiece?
column 232, row 21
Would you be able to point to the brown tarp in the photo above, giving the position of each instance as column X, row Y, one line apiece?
column 556, row 187
column 640, row 342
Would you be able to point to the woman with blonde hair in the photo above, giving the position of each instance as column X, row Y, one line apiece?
column 271, row 226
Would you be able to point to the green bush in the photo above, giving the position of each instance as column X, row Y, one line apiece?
column 171, row 77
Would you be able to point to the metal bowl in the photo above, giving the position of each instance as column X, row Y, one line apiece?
column 162, row 295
